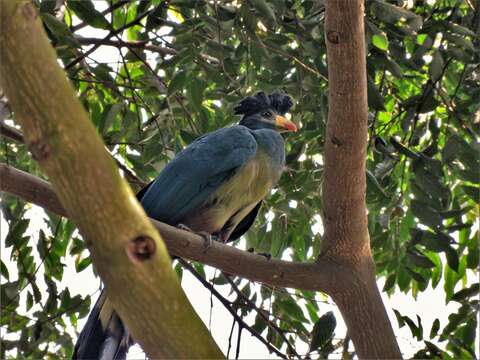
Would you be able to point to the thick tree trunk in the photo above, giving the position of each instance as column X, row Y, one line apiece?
column 126, row 249
column 346, row 239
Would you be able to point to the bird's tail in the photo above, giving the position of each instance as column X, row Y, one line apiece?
column 104, row 336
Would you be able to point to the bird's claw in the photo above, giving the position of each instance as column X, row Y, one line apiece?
column 266, row 255
column 209, row 238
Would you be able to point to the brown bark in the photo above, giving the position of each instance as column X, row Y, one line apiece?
column 346, row 237
column 322, row 276
column 126, row 249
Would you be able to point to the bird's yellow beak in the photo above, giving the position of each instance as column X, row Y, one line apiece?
column 284, row 123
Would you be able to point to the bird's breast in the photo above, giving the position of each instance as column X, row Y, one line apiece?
column 235, row 198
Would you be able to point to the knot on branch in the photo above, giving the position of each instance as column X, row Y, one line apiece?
column 336, row 141
column 29, row 11
column 141, row 248
column 40, row 150
column 333, row 36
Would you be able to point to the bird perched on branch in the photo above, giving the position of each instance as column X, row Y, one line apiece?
column 214, row 186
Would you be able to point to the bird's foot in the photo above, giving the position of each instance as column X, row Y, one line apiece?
column 266, row 255
column 209, row 238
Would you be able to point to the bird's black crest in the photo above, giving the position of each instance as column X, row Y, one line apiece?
column 279, row 102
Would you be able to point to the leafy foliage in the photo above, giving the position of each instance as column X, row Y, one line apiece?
column 183, row 66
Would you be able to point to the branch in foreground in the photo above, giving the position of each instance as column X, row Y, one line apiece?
column 322, row 276
column 127, row 251
column 15, row 134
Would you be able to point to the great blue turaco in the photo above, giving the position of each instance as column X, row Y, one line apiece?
column 214, row 186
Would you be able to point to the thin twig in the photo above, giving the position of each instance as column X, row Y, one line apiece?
column 226, row 304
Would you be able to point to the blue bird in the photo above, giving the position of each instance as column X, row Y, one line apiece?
column 214, row 186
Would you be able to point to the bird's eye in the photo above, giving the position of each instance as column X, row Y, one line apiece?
column 267, row 114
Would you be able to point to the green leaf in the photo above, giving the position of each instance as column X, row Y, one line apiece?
column 391, row 13
column 436, row 66
column 375, row 99
column 15, row 234
column 265, row 10
column 178, row 82
column 435, row 328
column 461, row 41
column 457, row 213
column 431, row 184
column 156, row 17
column 452, row 258
column 29, row 300
column 426, row 214
column 380, row 41
column 4, row 270
column 60, row 30
column 195, row 92
column 373, row 184
column 420, row 260
column 390, row 282
column 416, row 276
column 179, row 271
column 434, row 241
column 323, row 331
column 291, row 309
column 86, row 11
column 82, row 264
column 473, row 257
column 466, row 293
column 187, row 136
column 459, row 29
column 416, row 330
column 403, row 149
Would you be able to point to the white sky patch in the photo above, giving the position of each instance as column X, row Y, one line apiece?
column 318, row 159
column 293, row 204
column 261, row 26
column 302, row 157
column 269, row 216
column 427, row 58
column 317, row 227
column 293, row 45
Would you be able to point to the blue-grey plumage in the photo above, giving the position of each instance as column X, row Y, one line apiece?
column 215, row 185
column 225, row 207
column 218, row 180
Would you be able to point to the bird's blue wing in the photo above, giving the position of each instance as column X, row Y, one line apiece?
column 196, row 172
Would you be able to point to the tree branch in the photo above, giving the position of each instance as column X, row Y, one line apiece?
column 137, row 45
column 15, row 134
column 127, row 251
column 11, row 132
column 344, row 208
column 322, row 276
column 129, row 44
column 344, row 213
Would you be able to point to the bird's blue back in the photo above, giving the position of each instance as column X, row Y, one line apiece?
column 197, row 171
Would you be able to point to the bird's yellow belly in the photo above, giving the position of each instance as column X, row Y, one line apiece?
column 234, row 199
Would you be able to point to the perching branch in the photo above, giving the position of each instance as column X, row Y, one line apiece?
column 323, row 276
column 126, row 249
